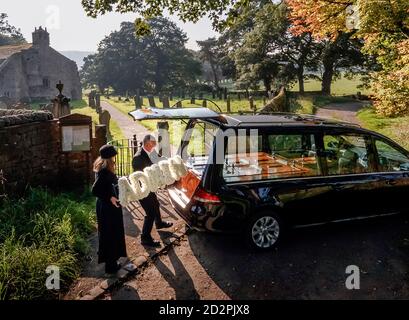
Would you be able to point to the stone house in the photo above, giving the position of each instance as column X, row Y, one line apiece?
column 29, row 72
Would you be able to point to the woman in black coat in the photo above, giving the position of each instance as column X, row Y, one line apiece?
column 109, row 212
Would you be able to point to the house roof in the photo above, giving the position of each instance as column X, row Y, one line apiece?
column 7, row 51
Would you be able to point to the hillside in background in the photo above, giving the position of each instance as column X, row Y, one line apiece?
column 77, row 56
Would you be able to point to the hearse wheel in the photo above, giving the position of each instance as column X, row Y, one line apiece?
column 264, row 230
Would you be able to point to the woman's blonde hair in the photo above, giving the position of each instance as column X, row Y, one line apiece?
column 100, row 164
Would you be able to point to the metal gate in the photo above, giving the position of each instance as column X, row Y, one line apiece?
column 126, row 148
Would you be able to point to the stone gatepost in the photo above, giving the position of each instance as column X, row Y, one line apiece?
column 61, row 104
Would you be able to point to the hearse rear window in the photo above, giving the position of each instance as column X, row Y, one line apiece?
column 270, row 156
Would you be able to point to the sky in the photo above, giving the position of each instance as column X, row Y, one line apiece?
column 70, row 28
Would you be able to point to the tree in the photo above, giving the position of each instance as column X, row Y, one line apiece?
column 384, row 28
column 208, row 53
column 9, row 34
column 267, row 51
column 156, row 62
column 186, row 10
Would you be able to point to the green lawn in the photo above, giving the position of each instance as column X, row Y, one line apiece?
column 394, row 128
column 342, row 86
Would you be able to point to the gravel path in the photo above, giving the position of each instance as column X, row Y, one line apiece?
column 128, row 126
column 341, row 111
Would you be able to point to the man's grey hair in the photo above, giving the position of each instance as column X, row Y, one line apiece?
column 148, row 138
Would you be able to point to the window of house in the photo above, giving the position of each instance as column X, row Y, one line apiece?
column 390, row 158
column 46, row 83
column 271, row 156
column 347, row 154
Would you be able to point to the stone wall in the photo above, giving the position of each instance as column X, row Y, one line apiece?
column 30, row 154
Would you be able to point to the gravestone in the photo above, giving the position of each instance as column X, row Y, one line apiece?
column 98, row 103
column 105, row 119
column 91, row 99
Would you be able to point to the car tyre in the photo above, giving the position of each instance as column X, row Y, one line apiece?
column 264, row 231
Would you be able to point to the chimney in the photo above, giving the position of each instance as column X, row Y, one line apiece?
column 41, row 38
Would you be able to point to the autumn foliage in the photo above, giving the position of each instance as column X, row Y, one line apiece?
column 383, row 25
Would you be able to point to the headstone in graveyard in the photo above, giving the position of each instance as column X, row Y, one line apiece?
column 105, row 119
column 98, row 102
column 91, row 99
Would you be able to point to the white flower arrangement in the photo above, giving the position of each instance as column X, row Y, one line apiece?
column 140, row 184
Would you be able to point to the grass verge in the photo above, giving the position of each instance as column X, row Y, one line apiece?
column 40, row 230
column 394, row 128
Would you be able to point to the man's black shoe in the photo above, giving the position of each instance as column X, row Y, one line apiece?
column 112, row 269
column 150, row 243
column 164, row 225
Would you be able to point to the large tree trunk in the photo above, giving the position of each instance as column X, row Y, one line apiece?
column 301, row 82
column 326, row 81
column 327, row 76
column 267, row 84
column 215, row 75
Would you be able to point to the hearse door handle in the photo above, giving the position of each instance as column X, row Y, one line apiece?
column 391, row 182
column 338, row 187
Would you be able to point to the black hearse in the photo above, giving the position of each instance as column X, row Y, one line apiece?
column 259, row 174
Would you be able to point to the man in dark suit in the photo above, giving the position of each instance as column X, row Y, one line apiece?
column 150, row 204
